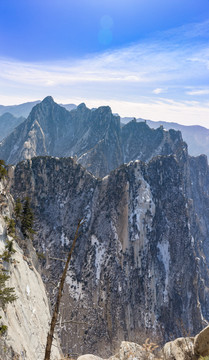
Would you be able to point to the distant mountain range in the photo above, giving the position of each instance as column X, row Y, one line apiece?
column 196, row 137
column 19, row 110
column 8, row 123
column 11, row 116
column 25, row 108
column 95, row 137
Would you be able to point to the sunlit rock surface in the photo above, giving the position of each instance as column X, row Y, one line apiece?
column 28, row 317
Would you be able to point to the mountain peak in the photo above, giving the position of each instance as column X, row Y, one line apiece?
column 81, row 106
column 48, row 100
column 105, row 109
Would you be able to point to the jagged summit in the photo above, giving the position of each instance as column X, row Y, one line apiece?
column 95, row 137
column 81, row 106
column 48, row 100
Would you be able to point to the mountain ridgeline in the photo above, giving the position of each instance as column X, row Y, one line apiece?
column 140, row 265
column 95, row 137
column 8, row 122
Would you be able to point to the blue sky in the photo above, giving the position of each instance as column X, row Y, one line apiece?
column 144, row 58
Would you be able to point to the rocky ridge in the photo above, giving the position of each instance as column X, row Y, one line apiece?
column 95, row 137
column 7, row 124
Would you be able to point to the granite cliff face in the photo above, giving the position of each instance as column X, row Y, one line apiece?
column 28, row 317
column 95, row 137
column 139, row 264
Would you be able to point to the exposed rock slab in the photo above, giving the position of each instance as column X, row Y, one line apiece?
column 132, row 351
column 28, row 317
column 201, row 342
column 180, row 349
column 89, row 357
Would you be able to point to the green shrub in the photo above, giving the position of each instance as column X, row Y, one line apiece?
column 18, row 209
column 41, row 256
column 7, row 294
column 3, row 329
column 11, row 227
column 8, row 252
column 3, row 171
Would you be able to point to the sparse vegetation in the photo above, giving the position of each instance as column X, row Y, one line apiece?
column 7, row 294
column 3, row 329
column 18, row 209
column 10, row 226
column 41, row 256
column 149, row 346
column 3, row 171
column 8, row 252
column 27, row 219
column 59, row 295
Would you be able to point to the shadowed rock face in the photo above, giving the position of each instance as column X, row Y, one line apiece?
column 7, row 124
column 94, row 136
column 138, row 265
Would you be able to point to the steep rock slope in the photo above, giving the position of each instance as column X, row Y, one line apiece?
column 7, row 124
column 94, row 136
column 25, row 108
column 136, row 267
column 196, row 137
column 28, row 317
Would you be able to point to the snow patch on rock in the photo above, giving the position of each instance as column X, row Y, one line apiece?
column 99, row 255
column 164, row 256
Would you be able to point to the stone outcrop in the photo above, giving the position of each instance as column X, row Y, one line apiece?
column 201, row 343
column 180, row 349
column 28, row 317
column 188, row 348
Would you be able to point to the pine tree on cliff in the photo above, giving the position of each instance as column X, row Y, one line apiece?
column 27, row 219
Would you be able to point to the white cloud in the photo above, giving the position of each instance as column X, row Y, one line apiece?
column 198, row 92
column 161, row 110
column 133, row 79
column 158, row 91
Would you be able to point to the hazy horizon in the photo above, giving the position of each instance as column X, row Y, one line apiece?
column 148, row 60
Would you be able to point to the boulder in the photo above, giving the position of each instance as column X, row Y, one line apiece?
column 132, row 351
column 89, row 357
column 180, row 349
column 201, row 342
